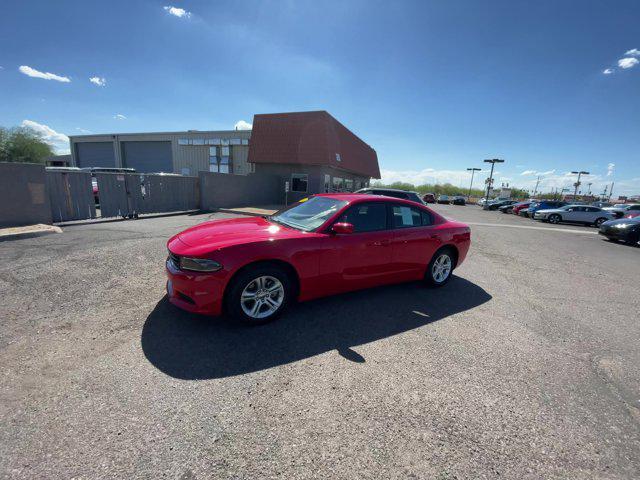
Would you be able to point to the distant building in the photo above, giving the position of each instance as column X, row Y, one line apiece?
column 59, row 161
column 312, row 151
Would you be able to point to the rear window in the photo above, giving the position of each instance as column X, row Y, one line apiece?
column 405, row 217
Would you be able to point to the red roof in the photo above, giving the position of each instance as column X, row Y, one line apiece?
column 310, row 138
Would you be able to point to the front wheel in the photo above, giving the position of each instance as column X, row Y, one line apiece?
column 555, row 219
column 259, row 295
column 599, row 222
column 440, row 268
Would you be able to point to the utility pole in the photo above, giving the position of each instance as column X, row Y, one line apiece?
column 577, row 184
column 492, row 162
column 473, row 170
column 610, row 191
column 590, row 183
column 535, row 190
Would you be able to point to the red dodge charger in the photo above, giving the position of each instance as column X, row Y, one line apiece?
column 252, row 268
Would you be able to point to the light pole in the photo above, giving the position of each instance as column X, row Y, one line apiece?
column 590, row 183
column 577, row 184
column 492, row 161
column 472, row 170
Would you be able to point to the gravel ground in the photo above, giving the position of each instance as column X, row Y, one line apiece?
column 524, row 366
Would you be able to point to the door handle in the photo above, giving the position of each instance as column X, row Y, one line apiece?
column 381, row 243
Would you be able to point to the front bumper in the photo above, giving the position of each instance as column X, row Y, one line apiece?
column 196, row 292
column 616, row 234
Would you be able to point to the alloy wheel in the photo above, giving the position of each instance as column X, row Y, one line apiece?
column 441, row 268
column 262, row 297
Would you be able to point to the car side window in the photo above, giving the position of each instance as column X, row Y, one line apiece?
column 366, row 217
column 405, row 217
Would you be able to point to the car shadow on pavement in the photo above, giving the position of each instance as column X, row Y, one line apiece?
column 188, row 346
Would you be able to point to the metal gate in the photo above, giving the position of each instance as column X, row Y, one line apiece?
column 71, row 195
column 131, row 194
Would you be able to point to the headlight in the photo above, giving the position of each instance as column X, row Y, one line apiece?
column 199, row 264
column 624, row 225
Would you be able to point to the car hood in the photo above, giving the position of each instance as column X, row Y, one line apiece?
column 217, row 234
column 622, row 221
column 550, row 210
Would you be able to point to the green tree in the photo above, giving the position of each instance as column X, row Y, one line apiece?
column 22, row 144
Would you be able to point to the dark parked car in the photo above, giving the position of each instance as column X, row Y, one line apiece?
column 459, row 200
column 509, row 207
column 497, row 205
column 624, row 229
column 429, row 198
column 543, row 205
column 444, row 199
column 392, row 192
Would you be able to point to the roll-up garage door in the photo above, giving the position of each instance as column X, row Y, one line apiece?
column 147, row 157
column 95, row 154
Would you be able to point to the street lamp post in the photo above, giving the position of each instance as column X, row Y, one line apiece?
column 577, row 184
column 492, row 162
column 473, row 170
column 589, row 192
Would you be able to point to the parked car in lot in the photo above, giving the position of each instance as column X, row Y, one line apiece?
column 574, row 214
column 518, row 207
column 624, row 229
column 253, row 267
column 543, row 205
column 508, row 208
column 392, row 192
column 497, row 204
column 429, row 198
column 444, row 199
column 621, row 209
column 459, row 200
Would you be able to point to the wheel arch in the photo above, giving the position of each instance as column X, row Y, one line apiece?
column 284, row 265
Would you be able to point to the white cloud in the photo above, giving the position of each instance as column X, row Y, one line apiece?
column 83, row 130
column 119, row 116
column 610, row 168
column 538, row 173
column 607, row 71
column 32, row 72
column 634, row 52
column 430, row 175
column 627, row 62
column 242, row 125
column 99, row 81
column 56, row 139
column 177, row 12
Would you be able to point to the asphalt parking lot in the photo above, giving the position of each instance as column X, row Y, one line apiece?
column 524, row 366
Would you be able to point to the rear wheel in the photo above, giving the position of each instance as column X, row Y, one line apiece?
column 599, row 222
column 440, row 267
column 555, row 218
column 259, row 294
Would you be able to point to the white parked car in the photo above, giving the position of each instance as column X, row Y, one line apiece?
column 576, row 214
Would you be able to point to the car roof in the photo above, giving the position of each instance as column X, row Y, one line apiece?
column 383, row 189
column 364, row 197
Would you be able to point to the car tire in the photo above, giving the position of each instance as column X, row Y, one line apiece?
column 555, row 219
column 269, row 285
column 599, row 221
column 443, row 261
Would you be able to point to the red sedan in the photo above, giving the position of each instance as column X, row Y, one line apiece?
column 252, row 268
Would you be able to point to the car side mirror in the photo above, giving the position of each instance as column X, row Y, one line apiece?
column 342, row 228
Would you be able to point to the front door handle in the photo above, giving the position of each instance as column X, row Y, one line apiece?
column 381, row 243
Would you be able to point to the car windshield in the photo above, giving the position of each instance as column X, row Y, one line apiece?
column 310, row 214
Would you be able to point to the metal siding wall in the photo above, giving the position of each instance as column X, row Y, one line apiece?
column 70, row 195
column 147, row 157
column 95, row 154
column 132, row 193
column 23, row 195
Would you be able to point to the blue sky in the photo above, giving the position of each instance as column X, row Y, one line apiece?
column 434, row 86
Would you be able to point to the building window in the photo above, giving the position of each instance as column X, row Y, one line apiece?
column 198, row 141
column 338, row 159
column 235, row 141
column 327, row 183
column 213, row 151
column 225, row 151
column 245, row 141
column 219, row 164
column 225, row 141
column 299, row 182
column 349, row 185
column 183, row 141
column 337, row 184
